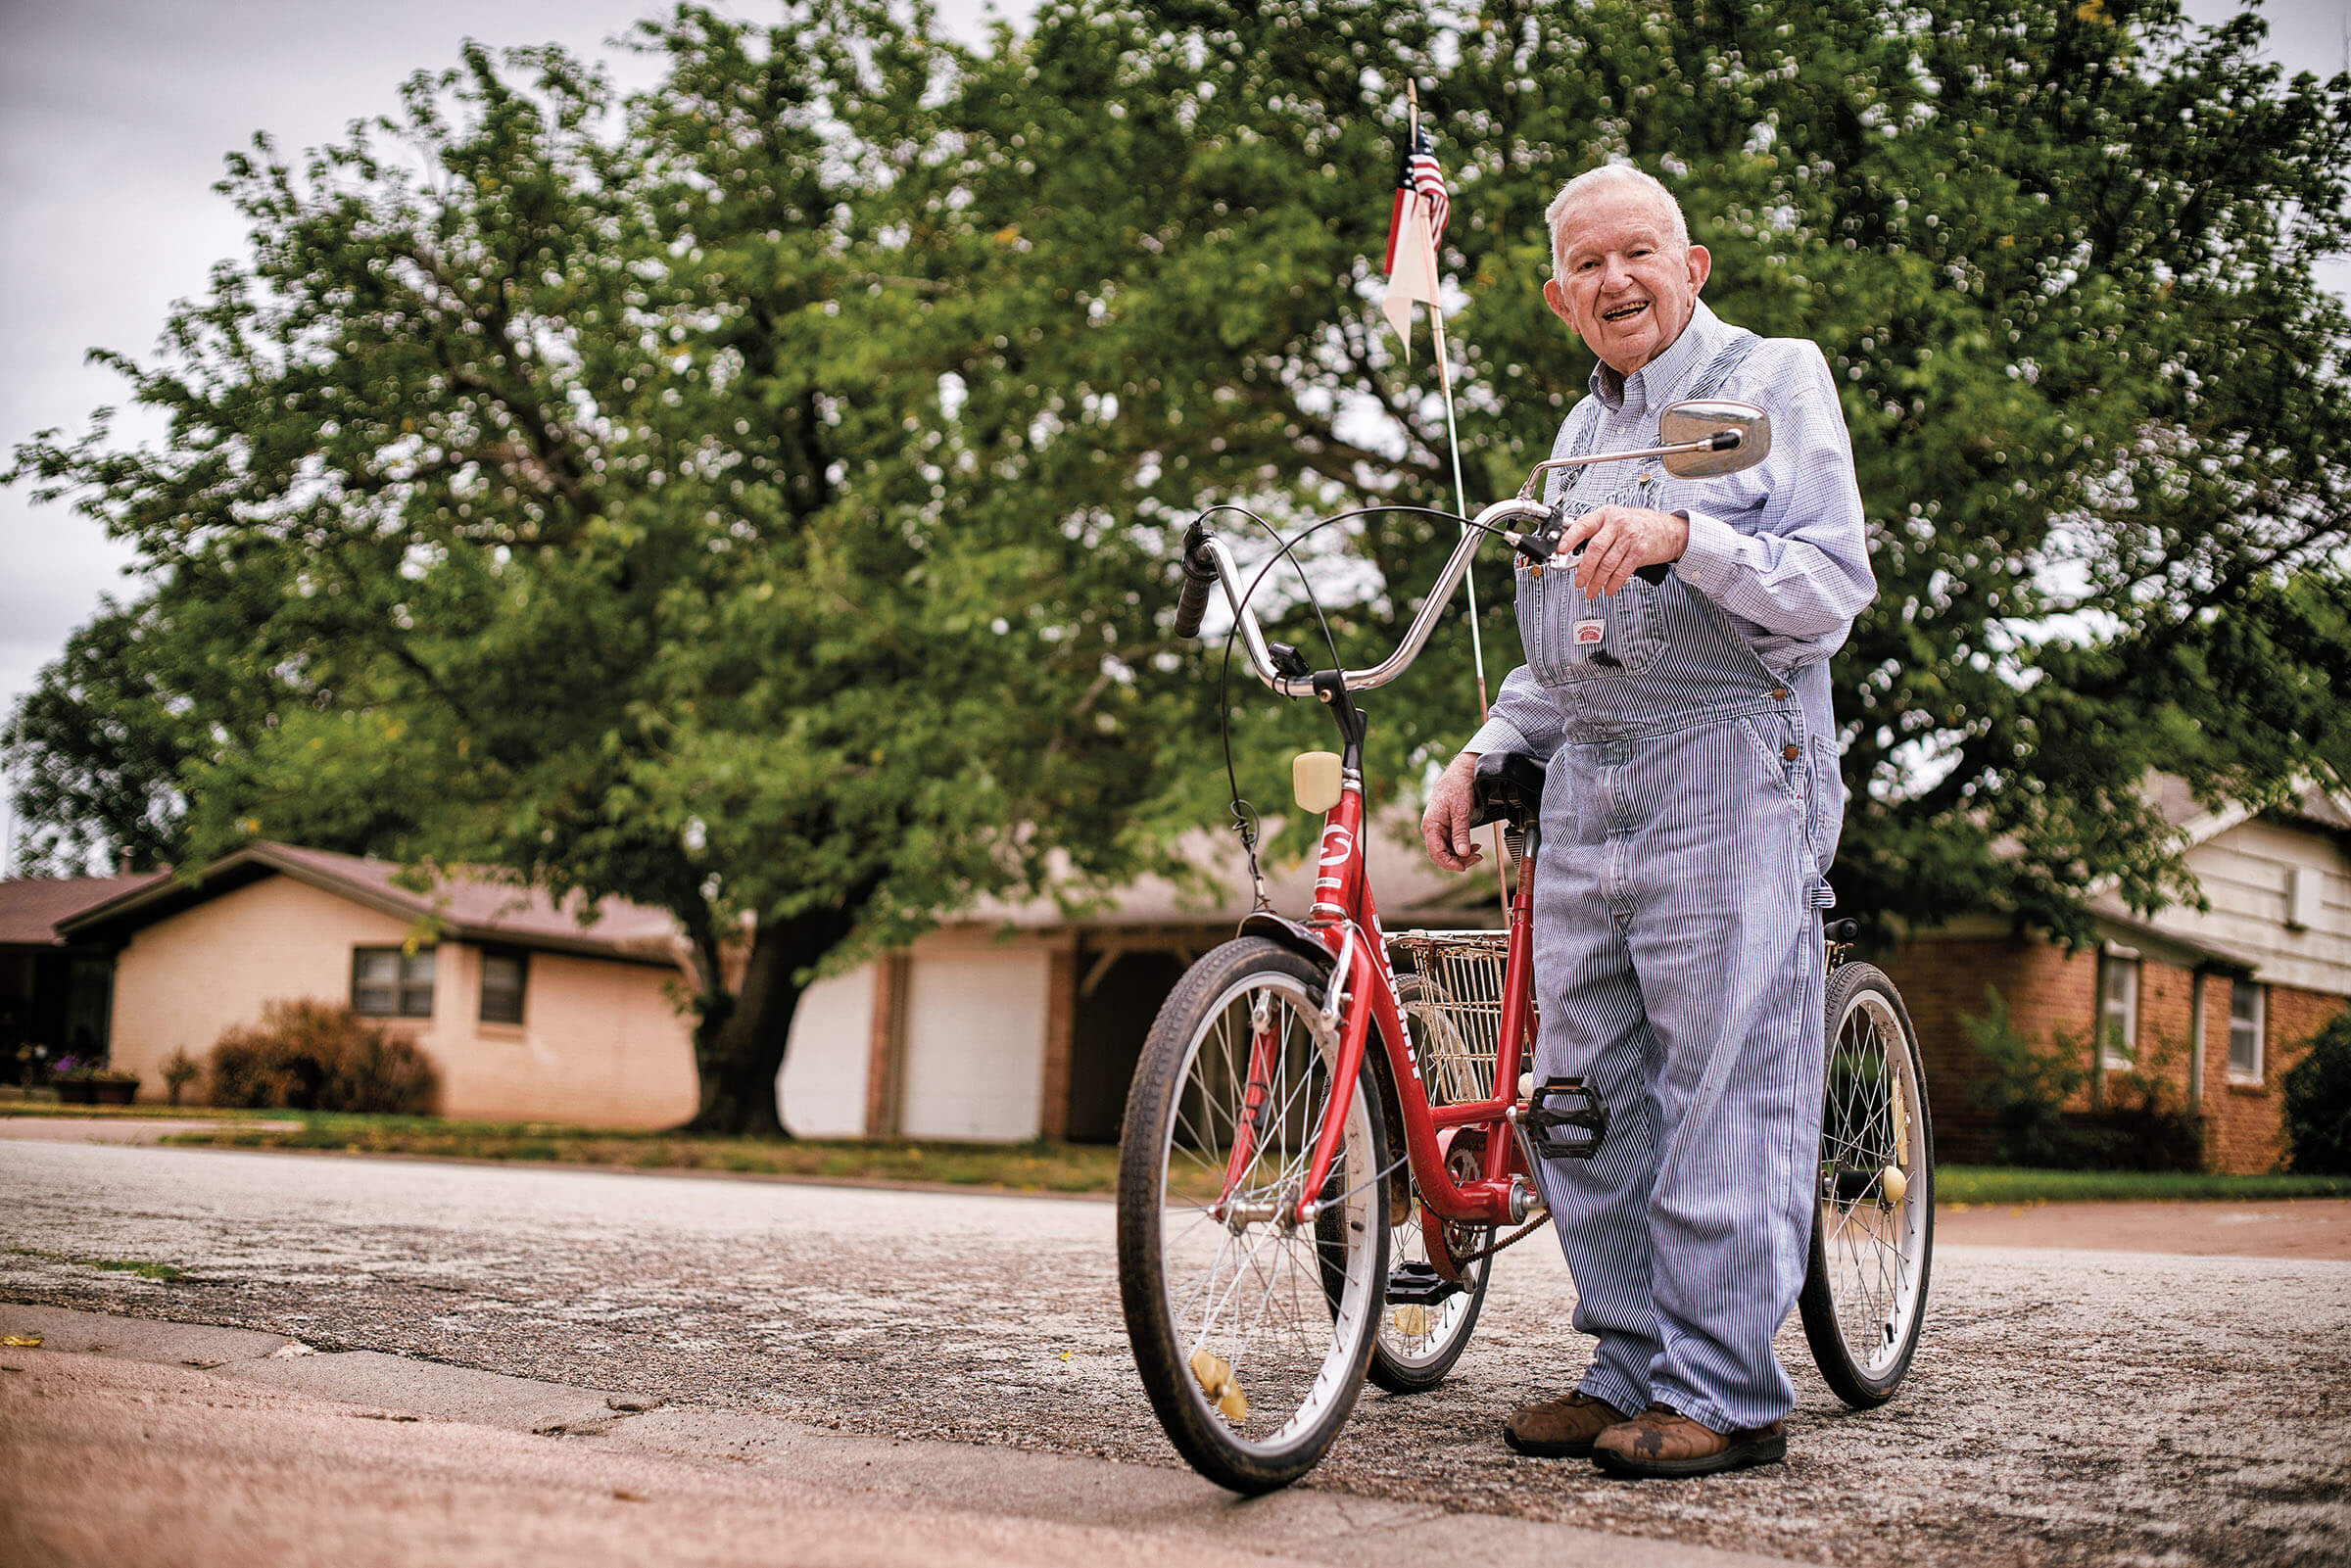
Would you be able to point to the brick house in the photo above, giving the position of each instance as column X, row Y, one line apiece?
column 2221, row 1001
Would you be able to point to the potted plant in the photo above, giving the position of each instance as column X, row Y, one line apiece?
column 87, row 1081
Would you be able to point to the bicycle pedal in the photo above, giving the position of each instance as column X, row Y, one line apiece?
column 1566, row 1119
column 1418, row 1284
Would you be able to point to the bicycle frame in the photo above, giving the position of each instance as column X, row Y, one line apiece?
column 1362, row 994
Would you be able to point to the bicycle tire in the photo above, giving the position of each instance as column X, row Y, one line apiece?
column 1412, row 1354
column 1282, row 1374
column 1864, row 1299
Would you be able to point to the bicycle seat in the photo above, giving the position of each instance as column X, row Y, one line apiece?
column 1507, row 787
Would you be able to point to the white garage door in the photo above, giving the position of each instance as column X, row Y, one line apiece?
column 975, row 1044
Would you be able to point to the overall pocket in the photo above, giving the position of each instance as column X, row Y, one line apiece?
column 1569, row 637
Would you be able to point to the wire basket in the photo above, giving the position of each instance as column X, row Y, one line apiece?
column 1456, row 1019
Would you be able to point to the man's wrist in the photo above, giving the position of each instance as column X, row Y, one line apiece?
column 1707, row 549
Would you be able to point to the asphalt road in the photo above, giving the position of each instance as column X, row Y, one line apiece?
column 2066, row 1406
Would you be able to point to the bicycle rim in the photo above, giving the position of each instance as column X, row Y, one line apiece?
column 1254, row 1334
column 1873, row 1233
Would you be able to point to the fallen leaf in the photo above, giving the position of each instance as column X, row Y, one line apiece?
column 290, row 1350
column 22, row 1342
column 1216, row 1382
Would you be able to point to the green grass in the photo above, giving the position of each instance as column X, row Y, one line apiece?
column 1037, row 1166
column 2009, row 1184
column 165, row 1273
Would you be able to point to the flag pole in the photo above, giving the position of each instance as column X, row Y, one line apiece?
column 1460, row 494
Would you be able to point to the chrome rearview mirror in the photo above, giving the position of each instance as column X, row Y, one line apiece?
column 1711, row 419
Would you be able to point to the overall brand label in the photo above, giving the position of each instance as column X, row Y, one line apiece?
column 1590, row 631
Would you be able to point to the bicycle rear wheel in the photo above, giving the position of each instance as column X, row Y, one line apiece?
column 1251, row 1334
column 1873, row 1216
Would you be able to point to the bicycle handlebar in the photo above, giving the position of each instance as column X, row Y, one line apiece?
column 1199, row 573
column 1207, row 559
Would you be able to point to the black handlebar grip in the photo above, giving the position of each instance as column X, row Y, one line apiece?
column 1198, row 573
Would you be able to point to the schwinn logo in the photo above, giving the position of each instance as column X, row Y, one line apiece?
column 1337, row 844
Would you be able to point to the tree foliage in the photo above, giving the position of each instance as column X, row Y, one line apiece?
column 755, row 497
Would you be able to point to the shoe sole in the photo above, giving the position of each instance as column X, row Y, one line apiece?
column 1537, row 1448
column 1763, row 1451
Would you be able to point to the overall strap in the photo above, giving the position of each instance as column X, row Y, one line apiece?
column 1586, row 415
column 1719, row 370
column 1724, row 364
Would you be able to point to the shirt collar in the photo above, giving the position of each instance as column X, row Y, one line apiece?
column 1653, row 384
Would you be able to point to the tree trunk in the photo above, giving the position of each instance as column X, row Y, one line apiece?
column 739, row 1050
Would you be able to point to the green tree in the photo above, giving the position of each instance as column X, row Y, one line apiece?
column 767, row 512
column 584, row 503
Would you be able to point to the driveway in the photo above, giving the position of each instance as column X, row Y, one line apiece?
column 2068, row 1406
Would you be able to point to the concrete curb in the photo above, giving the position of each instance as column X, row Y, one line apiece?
column 1160, row 1504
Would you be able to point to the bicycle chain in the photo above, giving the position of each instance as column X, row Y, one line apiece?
column 1512, row 1240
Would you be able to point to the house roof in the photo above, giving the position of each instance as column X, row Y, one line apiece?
column 466, row 904
column 2314, row 806
column 30, row 907
column 1410, row 889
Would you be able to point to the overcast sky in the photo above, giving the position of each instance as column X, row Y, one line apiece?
column 113, row 118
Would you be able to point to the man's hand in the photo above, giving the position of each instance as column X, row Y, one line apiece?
column 1618, row 540
column 1445, row 825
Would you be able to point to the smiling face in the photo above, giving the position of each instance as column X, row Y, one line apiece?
column 1625, row 284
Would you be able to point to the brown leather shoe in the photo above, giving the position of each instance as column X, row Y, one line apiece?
column 1663, row 1442
column 1562, row 1428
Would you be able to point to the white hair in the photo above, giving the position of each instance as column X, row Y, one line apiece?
column 1624, row 176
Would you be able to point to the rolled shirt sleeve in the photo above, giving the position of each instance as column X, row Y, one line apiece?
column 1788, row 556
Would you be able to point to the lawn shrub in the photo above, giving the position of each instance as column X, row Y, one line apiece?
column 2318, row 1104
column 2139, row 1119
column 319, row 1056
column 179, row 1070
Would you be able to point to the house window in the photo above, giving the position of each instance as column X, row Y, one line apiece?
column 2245, row 1011
column 503, row 975
column 387, row 982
column 2118, row 1011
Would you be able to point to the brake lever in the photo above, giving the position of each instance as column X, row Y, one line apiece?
column 1543, row 545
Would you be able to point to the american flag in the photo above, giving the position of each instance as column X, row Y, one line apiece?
column 1419, row 176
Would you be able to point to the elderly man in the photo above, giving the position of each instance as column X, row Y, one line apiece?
column 1692, row 808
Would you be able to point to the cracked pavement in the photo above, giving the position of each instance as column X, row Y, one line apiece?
column 2066, row 1408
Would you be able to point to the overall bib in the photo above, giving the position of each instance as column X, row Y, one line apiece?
column 1689, row 815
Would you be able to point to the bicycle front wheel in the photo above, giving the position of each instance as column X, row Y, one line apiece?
column 1873, row 1216
column 1251, row 1332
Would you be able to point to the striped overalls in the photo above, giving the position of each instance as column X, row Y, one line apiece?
column 1692, row 808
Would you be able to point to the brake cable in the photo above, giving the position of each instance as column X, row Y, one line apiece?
column 1245, row 814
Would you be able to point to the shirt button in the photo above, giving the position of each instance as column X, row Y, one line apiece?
column 1779, row 693
column 1792, row 752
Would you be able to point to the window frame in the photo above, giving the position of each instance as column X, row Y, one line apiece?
column 521, row 959
column 2260, row 1024
column 406, row 986
column 2111, row 1057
